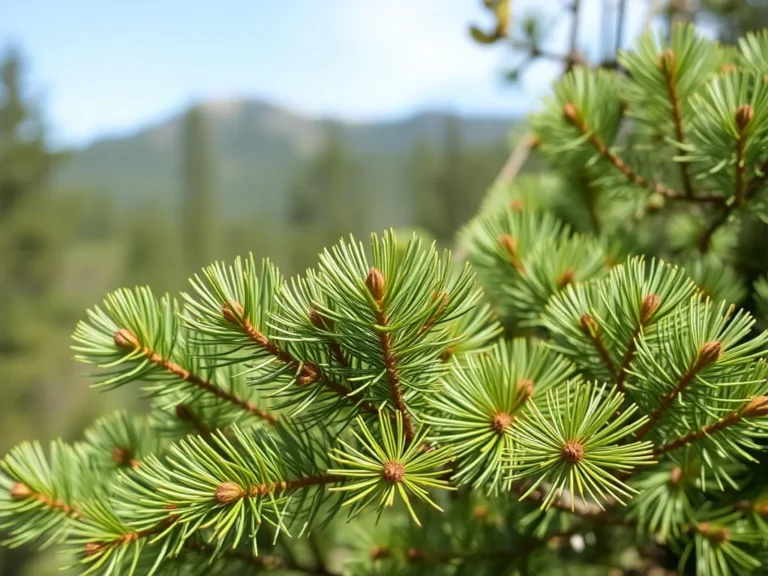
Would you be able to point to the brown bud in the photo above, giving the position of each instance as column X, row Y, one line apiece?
column 744, row 115
column 414, row 554
column 717, row 534
column 233, row 312
column 480, row 512
column 516, row 205
column 761, row 508
column 20, row 491
column 376, row 284
column 93, row 548
column 588, row 325
column 573, row 451
column 443, row 299
column 126, row 339
column 676, row 476
column 319, row 321
column 228, row 492
column 570, row 113
column 565, row 278
column 508, row 243
column 757, row 407
column 447, row 354
column 667, row 61
column 534, row 141
column 501, row 421
column 526, row 387
column 183, row 413
column 122, row 456
column 727, row 68
column 648, row 306
column 307, row 376
column 393, row 471
column 709, row 353
column 379, row 552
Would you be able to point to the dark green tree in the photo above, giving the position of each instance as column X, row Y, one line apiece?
column 199, row 216
column 324, row 199
column 428, row 207
column 32, row 235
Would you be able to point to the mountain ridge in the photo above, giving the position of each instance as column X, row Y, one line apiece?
column 258, row 149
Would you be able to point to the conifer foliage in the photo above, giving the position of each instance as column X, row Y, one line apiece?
column 392, row 412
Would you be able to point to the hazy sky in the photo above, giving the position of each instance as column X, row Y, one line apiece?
column 103, row 67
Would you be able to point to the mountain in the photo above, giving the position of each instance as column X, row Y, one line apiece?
column 259, row 150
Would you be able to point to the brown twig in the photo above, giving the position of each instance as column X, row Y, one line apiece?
column 516, row 159
column 128, row 340
column 307, row 372
column 572, row 115
column 649, row 304
column 590, row 328
column 668, row 65
column 20, row 491
column 376, row 284
column 229, row 492
column 743, row 193
column 708, row 354
column 757, row 407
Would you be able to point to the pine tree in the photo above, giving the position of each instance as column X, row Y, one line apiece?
column 199, row 202
column 32, row 234
column 585, row 390
column 422, row 180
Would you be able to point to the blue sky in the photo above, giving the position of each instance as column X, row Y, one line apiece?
column 106, row 67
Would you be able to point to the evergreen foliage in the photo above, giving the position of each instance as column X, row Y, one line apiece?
column 586, row 374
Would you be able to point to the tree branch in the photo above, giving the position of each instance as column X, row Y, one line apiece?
column 743, row 193
column 668, row 65
column 572, row 116
column 757, row 407
column 649, row 304
column 128, row 340
column 20, row 491
column 708, row 354
column 308, row 373
column 590, row 328
column 376, row 284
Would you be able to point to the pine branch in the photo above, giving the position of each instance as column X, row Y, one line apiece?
column 94, row 548
column 708, row 354
column 376, row 284
column 668, row 64
column 744, row 116
column 230, row 492
column 20, row 491
column 742, row 193
column 127, row 340
column 590, row 328
column 324, row 323
column 308, row 373
column 573, row 116
column 648, row 306
column 757, row 407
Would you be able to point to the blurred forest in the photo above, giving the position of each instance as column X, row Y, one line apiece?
column 219, row 179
